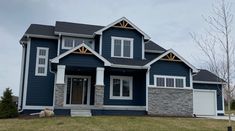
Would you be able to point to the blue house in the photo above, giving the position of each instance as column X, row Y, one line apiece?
column 82, row 69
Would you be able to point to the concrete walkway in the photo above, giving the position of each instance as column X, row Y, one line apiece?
column 218, row 117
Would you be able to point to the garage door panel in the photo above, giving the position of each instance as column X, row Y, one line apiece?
column 204, row 102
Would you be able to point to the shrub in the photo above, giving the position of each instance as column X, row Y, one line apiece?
column 7, row 107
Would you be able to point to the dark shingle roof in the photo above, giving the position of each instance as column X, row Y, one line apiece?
column 36, row 29
column 150, row 45
column 205, row 75
column 122, row 61
column 76, row 28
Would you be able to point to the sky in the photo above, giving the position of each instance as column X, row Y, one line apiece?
column 167, row 22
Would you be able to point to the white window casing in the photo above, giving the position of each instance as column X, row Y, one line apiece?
column 75, row 42
column 41, row 61
column 121, row 78
column 122, row 39
column 180, row 80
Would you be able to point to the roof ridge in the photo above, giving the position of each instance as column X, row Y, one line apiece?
column 79, row 23
column 42, row 25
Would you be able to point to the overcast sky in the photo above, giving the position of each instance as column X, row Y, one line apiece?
column 167, row 22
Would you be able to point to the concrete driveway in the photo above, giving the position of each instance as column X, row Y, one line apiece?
column 218, row 117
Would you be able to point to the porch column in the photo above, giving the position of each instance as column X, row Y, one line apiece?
column 60, row 85
column 99, row 86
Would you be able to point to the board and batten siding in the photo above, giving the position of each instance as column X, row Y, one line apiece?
column 216, row 87
column 139, row 87
column 40, row 89
column 127, row 33
column 169, row 68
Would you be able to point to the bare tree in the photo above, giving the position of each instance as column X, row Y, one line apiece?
column 216, row 44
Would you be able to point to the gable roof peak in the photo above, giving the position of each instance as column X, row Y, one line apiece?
column 99, row 32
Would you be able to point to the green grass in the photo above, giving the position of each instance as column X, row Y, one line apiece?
column 98, row 123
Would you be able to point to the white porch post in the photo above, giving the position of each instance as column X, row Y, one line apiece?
column 99, row 86
column 60, row 85
column 60, row 74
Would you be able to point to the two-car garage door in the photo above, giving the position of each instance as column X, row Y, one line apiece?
column 204, row 102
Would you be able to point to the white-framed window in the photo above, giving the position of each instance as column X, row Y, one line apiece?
column 170, row 81
column 69, row 42
column 122, row 47
column 41, row 61
column 121, row 87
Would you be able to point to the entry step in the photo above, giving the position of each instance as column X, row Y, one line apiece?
column 85, row 113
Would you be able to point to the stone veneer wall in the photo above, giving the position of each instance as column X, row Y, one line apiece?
column 170, row 102
column 99, row 95
column 59, row 95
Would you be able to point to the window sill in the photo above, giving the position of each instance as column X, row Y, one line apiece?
column 183, row 88
column 120, row 98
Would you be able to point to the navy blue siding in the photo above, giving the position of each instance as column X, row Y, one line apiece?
column 169, row 68
column 97, row 44
column 151, row 56
column 117, row 32
column 139, row 87
column 62, row 112
column 118, row 112
column 81, row 60
column 40, row 88
column 218, row 88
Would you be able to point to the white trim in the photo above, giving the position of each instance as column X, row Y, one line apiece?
column 172, row 77
column 205, row 90
column 41, row 36
column 88, row 89
column 147, row 91
column 56, row 59
column 38, row 107
column 100, row 47
column 222, row 98
column 122, row 107
column 74, row 34
column 153, row 51
column 128, row 66
column 99, row 76
column 122, row 46
column 176, row 54
column 60, row 74
column 121, row 78
column 55, row 77
column 220, row 112
column 21, row 75
column 58, row 46
column 209, row 82
column 37, row 61
column 143, row 48
column 153, row 86
column 190, row 79
column 26, row 73
column 119, row 20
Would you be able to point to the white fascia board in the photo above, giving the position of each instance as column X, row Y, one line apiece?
column 56, row 59
column 74, row 34
column 119, row 20
column 129, row 66
column 209, row 82
column 41, row 36
column 176, row 54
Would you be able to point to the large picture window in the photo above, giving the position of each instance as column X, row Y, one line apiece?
column 41, row 61
column 122, row 47
column 121, row 87
column 170, row 81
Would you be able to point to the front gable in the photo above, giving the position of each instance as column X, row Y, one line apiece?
column 81, row 55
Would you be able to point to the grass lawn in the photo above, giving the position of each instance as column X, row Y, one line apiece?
column 99, row 123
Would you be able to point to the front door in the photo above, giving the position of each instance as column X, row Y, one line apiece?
column 78, row 90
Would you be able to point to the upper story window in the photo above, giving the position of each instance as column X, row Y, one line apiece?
column 69, row 43
column 122, row 47
column 41, row 61
column 170, row 81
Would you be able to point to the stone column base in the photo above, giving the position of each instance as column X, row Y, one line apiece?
column 99, row 95
column 59, row 95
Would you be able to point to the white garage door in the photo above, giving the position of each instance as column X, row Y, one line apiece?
column 204, row 102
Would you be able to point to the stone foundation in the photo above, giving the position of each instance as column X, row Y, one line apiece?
column 99, row 95
column 59, row 95
column 170, row 102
